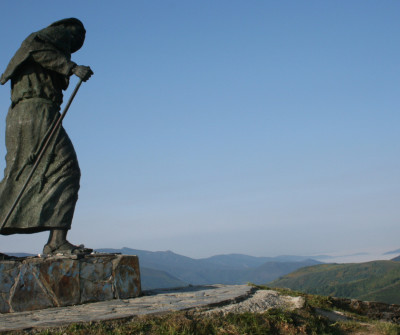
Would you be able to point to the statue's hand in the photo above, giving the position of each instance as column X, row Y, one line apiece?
column 83, row 72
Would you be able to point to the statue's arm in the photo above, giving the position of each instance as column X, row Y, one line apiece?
column 54, row 61
column 58, row 62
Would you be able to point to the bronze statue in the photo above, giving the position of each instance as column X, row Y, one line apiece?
column 39, row 72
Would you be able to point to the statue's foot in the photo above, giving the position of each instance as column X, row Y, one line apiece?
column 66, row 248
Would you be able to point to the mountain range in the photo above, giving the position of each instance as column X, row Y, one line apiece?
column 221, row 269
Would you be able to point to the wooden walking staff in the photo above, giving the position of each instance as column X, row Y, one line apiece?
column 46, row 142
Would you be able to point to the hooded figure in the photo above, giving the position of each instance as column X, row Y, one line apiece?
column 39, row 72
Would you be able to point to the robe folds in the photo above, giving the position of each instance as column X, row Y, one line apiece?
column 49, row 200
column 39, row 72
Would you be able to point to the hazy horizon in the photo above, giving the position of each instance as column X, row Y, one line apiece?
column 335, row 257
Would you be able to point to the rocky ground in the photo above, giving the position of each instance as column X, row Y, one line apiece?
column 211, row 302
column 152, row 303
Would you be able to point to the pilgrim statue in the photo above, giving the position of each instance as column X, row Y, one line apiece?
column 39, row 72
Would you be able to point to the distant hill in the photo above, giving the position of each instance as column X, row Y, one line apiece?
column 245, row 261
column 152, row 279
column 237, row 260
column 272, row 270
column 396, row 259
column 373, row 281
column 20, row 254
column 397, row 251
column 225, row 269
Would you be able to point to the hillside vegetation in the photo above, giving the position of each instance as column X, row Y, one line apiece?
column 371, row 281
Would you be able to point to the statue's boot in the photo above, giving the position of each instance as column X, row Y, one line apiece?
column 58, row 244
column 66, row 248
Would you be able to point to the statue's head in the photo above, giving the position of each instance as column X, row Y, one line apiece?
column 76, row 29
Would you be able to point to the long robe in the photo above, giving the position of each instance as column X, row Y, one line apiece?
column 39, row 72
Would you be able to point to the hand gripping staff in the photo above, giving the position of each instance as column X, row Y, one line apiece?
column 49, row 135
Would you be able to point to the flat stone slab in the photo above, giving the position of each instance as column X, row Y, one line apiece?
column 155, row 302
column 32, row 283
column 259, row 302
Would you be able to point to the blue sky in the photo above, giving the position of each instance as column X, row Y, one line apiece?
column 210, row 127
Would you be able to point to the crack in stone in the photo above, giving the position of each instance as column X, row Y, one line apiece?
column 14, row 287
column 45, row 287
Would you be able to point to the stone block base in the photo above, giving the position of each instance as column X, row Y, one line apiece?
column 35, row 283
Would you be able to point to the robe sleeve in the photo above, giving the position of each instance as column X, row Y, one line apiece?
column 54, row 61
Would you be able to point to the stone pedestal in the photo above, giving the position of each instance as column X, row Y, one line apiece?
column 35, row 283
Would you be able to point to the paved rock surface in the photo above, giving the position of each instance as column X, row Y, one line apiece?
column 205, row 299
column 155, row 302
column 261, row 301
